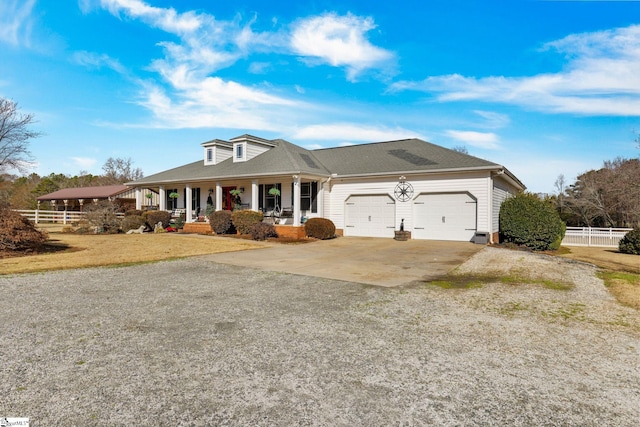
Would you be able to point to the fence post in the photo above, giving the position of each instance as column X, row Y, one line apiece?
column 589, row 244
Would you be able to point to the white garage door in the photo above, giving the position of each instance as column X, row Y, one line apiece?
column 370, row 216
column 449, row 216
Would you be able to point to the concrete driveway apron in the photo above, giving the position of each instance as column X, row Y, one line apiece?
column 375, row 261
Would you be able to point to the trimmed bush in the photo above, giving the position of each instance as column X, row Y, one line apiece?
column 220, row 222
column 630, row 243
column 154, row 217
column 525, row 220
column 320, row 228
column 262, row 231
column 18, row 234
column 244, row 220
column 133, row 212
column 131, row 222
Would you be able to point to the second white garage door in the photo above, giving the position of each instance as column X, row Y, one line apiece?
column 450, row 216
column 370, row 216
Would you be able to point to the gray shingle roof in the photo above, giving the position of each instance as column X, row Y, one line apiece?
column 402, row 156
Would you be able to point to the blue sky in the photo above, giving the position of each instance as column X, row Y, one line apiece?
column 542, row 87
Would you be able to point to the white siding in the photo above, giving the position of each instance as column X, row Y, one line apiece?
column 501, row 191
column 474, row 183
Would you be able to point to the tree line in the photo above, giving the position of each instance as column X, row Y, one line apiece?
column 21, row 192
column 606, row 197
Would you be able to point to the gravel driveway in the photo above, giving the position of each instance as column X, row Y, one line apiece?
column 192, row 342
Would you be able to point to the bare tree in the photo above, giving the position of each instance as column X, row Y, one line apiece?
column 14, row 137
column 119, row 171
column 461, row 149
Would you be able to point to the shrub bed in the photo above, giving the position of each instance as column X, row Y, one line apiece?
column 131, row 222
column 320, row 228
column 630, row 243
column 262, row 231
column 154, row 217
column 220, row 222
column 243, row 221
column 525, row 220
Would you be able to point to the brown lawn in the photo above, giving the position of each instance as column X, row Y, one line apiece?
column 68, row 250
column 621, row 272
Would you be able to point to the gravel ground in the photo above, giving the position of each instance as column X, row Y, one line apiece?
column 196, row 343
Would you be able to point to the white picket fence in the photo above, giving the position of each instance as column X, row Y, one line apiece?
column 592, row 236
column 58, row 217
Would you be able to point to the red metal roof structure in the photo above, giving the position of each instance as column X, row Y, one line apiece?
column 86, row 193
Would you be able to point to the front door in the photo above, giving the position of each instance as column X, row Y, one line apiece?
column 227, row 198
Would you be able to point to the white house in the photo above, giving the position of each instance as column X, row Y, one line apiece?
column 366, row 190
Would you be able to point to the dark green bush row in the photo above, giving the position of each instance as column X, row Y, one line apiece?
column 630, row 243
column 262, row 231
column 244, row 220
column 320, row 228
column 525, row 220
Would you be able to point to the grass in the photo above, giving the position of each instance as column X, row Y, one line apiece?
column 468, row 281
column 68, row 250
column 624, row 286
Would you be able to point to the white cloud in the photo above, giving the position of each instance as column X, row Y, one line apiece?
column 15, row 21
column 488, row 141
column 352, row 132
column 94, row 60
column 600, row 78
column 84, row 162
column 339, row 41
column 492, row 119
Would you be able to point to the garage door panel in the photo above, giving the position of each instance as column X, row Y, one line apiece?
column 370, row 216
column 450, row 216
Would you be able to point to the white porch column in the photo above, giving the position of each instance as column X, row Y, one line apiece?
column 296, row 200
column 138, row 198
column 254, row 195
column 187, row 203
column 218, row 196
column 162, row 203
column 66, row 205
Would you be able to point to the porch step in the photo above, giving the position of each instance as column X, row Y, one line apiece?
column 197, row 227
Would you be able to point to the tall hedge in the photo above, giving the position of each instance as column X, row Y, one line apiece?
column 525, row 220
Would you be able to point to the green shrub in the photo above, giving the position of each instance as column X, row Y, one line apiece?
column 244, row 220
column 131, row 222
column 154, row 217
column 630, row 243
column 18, row 234
column 262, row 231
column 525, row 220
column 133, row 212
column 220, row 222
column 320, row 228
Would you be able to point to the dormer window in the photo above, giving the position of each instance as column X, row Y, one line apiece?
column 240, row 152
column 209, row 155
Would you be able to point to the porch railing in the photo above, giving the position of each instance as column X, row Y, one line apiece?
column 58, row 217
column 592, row 236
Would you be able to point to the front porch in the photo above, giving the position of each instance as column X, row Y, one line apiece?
column 293, row 198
